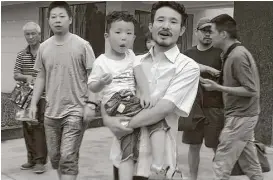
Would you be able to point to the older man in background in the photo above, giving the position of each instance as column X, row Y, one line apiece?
column 34, row 134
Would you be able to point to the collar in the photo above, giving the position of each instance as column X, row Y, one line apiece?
column 171, row 54
column 27, row 50
column 229, row 50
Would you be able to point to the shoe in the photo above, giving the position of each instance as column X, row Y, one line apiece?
column 27, row 166
column 179, row 176
column 39, row 168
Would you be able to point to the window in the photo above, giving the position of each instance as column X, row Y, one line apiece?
column 88, row 22
column 143, row 18
column 185, row 41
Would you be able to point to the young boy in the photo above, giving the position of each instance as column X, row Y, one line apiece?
column 113, row 76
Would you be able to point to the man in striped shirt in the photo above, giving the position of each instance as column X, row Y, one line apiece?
column 24, row 73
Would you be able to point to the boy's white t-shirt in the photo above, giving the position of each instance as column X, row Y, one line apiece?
column 121, row 70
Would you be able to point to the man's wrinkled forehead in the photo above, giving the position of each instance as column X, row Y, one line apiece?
column 58, row 11
column 30, row 28
column 169, row 13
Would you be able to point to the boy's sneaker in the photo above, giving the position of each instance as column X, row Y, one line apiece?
column 158, row 173
column 27, row 166
column 39, row 169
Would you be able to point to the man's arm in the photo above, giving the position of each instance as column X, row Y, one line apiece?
column 89, row 58
column 238, row 91
column 114, row 124
column 21, row 77
column 204, row 68
column 18, row 76
column 151, row 116
column 210, row 70
column 244, row 73
column 39, row 84
column 39, row 87
column 210, row 85
column 178, row 98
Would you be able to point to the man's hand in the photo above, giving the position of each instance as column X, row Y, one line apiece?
column 115, row 125
column 209, row 85
column 88, row 113
column 213, row 72
column 106, row 79
column 32, row 111
column 29, row 79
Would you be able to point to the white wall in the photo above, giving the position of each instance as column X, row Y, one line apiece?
column 210, row 13
column 16, row 15
column 13, row 18
column 12, row 38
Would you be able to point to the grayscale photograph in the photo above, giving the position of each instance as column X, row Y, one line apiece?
column 136, row 90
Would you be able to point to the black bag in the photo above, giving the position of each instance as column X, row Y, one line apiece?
column 237, row 171
column 21, row 95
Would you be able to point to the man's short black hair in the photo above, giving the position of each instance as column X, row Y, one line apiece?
column 173, row 5
column 224, row 22
column 59, row 4
column 119, row 16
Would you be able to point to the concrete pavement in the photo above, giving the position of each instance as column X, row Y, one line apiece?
column 94, row 160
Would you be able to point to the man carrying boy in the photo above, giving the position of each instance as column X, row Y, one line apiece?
column 114, row 75
column 171, row 73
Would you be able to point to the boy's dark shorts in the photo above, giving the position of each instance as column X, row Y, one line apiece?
column 125, row 103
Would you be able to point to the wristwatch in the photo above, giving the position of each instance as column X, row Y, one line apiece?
column 91, row 105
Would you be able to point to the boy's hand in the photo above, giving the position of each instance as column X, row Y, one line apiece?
column 213, row 72
column 146, row 101
column 106, row 79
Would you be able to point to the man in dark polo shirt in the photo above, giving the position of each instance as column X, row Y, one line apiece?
column 207, row 113
column 24, row 73
column 241, row 94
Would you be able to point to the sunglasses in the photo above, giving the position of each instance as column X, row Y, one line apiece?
column 204, row 31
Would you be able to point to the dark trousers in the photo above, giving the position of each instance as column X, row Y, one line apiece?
column 116, row 176
column 35, row 137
